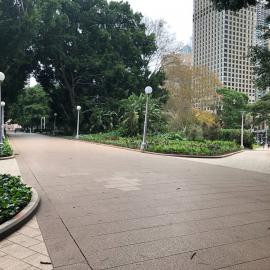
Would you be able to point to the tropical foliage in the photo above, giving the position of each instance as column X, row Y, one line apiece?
column 5, row 149
column 133, row 113
column 14, row 196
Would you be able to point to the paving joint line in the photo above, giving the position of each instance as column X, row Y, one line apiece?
column 242, row 263
column 159, row 226
column 174, row 237
column 181, row 253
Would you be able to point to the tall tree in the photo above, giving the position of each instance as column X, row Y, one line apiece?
column 261, row 109
column 32, row 104
column 232, row 103
column 18, row 25
column 188, row 87
column 91, row 50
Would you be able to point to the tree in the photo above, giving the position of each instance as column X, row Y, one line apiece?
column 261, row 109
column 32, row 104
column 188, row 87
column 166, row 42
column 260, row 56
column 92, row 48
column 18, row 25
column 231, row 106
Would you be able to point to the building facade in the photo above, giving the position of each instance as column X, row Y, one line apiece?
column 221, row 42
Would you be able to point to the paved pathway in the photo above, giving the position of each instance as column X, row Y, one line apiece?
column 107, row 208
column 24, row 249
column 257, row 161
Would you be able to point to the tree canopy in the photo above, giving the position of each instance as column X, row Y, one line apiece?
column 232, row 103
column 89, row 53
column 261, row 109
column 32, row 104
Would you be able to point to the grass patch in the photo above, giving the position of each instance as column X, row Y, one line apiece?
column 167, row 143
column 14, row 196
column 5, row 149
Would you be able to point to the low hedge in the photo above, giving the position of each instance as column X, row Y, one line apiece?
column 203, row 148
column 14, row 196
column 166, row 143
column 235, row 135
column 6, row 150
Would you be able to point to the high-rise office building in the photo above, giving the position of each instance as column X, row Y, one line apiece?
column 221, row 42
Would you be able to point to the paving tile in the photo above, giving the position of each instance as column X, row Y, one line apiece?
column 263, row 264
column 10, row 263
column 36, row 259
column 79, row 266
column 5, row 242
column 107, row 258
column 40, row 248
column 18, row 251
column 28, row 231
column 23, row 240
column 64, row 252
column 53, row 228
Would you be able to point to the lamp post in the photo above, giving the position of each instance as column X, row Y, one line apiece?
column 266, row 136
column 2, row 78
column 242, row 130
column 3, row 104
column 148, row 90
column 78, row 121
column 54, row 122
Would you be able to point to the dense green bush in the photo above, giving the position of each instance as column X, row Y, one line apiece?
column 203, row 148
column 173, row 143
column 14, row 196
column 6, row 149
column 235, row 135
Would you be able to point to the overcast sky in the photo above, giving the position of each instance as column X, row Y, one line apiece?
column 178, row 14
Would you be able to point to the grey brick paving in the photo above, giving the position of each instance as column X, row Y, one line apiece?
column 107, row 208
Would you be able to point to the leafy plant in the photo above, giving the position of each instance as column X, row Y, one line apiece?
column 14, row 196
column 167, row 143
column 133, row 113
column 6, row 150
column 235, row 136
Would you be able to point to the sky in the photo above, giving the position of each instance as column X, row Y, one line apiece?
column 178, row 14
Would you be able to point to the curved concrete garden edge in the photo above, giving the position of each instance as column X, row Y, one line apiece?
column 9, row 157
column 22, row 216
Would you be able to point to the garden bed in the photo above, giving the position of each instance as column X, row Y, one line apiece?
column 6, row 149
column 14, row 196
column 167, row 144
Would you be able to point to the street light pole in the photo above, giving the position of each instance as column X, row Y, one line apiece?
column 54, row 123
column 78, row 121
column 3, row 104
column 242, row 130
column 266, row 136
column 2, row 78
column 148, row 91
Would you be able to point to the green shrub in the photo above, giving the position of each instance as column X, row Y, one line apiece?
column 203, row 148
column 172, row 143
column 235, row 135
column 6, row 149
column 14, row 196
